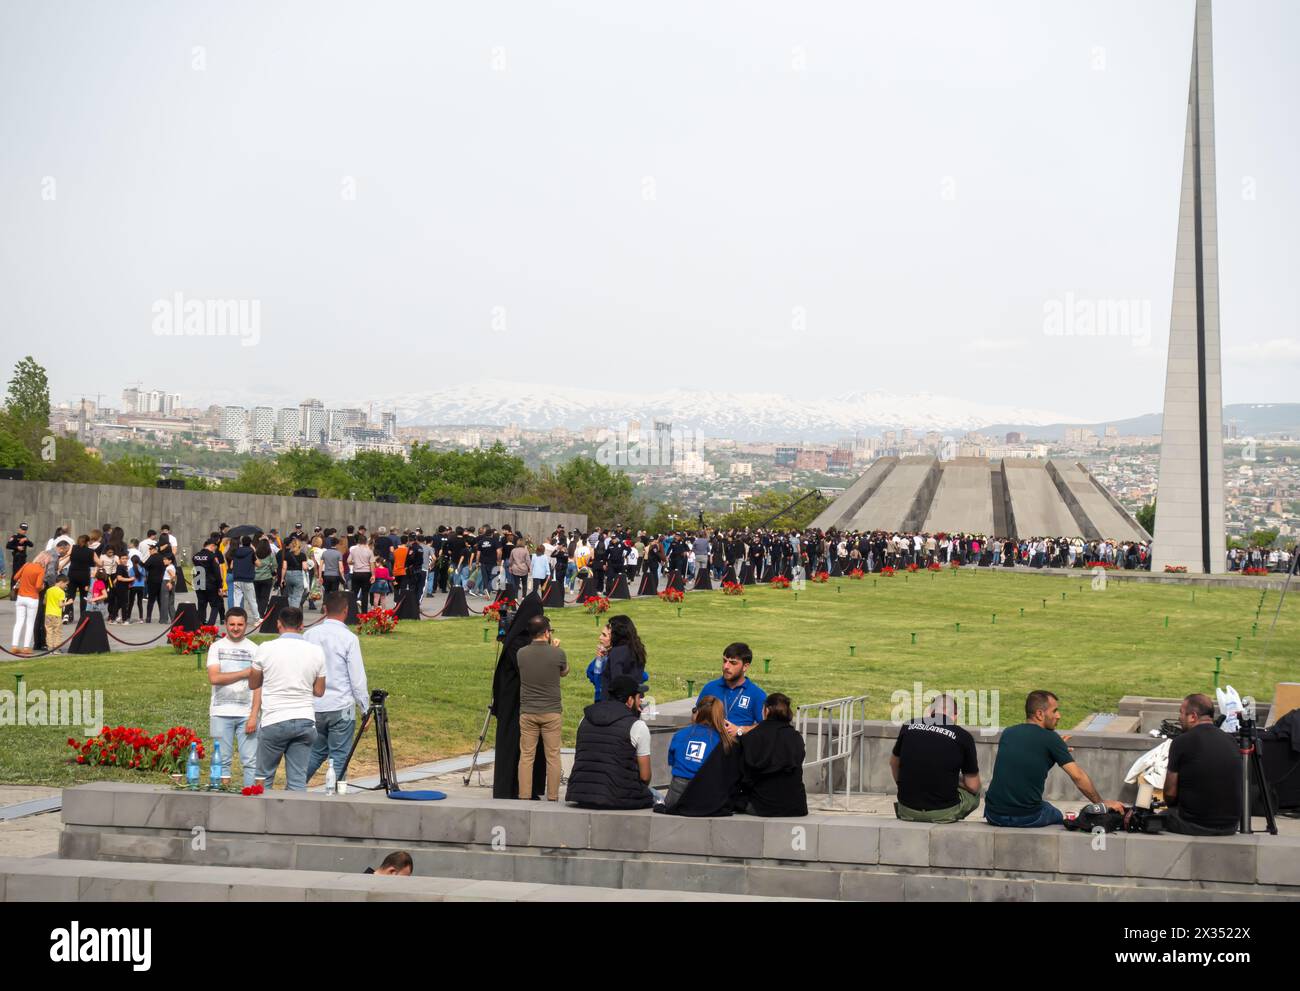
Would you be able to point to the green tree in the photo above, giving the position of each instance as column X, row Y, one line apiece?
column 29, row 393
column 134, row 469
column 1264, row 538
column 584, row 485
column 1146, row 517
column 762, row 508
column 258, row 476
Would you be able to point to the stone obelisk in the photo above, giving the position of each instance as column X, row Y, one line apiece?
column 1189, row 499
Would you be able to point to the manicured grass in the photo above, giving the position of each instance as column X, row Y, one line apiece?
column 1090, row 647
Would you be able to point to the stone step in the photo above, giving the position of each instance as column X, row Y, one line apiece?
column 39, row 879
column 818, row 856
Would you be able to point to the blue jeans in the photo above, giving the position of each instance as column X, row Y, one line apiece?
column 430, row 583
column 292, row 740
column 295, row 589
column 334, row 732
column 1047, row 815
column 226, row 730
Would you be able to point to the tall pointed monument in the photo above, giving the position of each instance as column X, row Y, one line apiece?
column 1189, row 506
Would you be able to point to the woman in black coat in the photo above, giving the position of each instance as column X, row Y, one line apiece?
column 772, row 757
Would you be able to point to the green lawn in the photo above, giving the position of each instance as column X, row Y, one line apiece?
column 1090, row 647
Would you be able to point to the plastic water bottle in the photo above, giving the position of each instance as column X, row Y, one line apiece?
column 214, row 772
column 331, row 779
column 192, row 769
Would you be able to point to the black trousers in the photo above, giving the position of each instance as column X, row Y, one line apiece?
column 82, row 587
column 211, row 606
column 361, row 589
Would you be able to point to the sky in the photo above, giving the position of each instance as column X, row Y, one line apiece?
column 811, row 198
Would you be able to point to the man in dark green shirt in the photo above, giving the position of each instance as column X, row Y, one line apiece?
column 1026, row 754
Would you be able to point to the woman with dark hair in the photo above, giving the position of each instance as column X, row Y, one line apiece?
column 626, row 655
column 263, row 575
column 772, row 757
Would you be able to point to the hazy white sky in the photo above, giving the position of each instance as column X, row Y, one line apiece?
column 815, row 197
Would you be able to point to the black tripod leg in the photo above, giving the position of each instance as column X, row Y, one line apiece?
column 1257, row 766
column 361, row 731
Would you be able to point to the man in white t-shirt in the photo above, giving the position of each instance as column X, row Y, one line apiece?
column 291, row 674
column 232, row 712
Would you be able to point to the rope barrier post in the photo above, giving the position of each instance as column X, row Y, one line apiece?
column 18, row 682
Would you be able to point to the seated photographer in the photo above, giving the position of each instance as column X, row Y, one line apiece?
column 611, row 765
column 935, row 767
column 772, row 755
column 1203, row 779
column 1026, row 753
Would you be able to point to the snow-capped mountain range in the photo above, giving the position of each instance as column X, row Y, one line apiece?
column 739, row 415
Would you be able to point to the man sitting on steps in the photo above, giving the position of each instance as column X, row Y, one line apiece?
column 611, row 767
column 935, row 767
column 1026, row 754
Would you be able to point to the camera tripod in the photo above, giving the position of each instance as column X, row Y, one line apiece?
column 1252, row 767
column 378, row 714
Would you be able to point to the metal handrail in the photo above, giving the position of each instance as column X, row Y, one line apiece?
column 839, row 724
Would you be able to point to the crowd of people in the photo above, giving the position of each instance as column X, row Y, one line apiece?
column 128, row 580
column 294, row 698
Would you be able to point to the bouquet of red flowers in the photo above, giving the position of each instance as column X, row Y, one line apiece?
column 954, row 565
column 192, row 641
column 129, row 747
column 935, row 566
column 377, row 622
column 493, row 609
column 1254, row 571
column 821, row 577
column 1108, row 565
column 1175, row 569
column 779, row 581
column 887, row 572
column 733, row 588
column 252, row 790
column 672, row 595
column 913, row 567
column 857, row 573
column 596, row 603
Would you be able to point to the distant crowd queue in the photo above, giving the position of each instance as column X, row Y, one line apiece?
column 128, row 579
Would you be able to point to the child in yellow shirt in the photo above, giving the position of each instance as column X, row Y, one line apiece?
column 54, row 597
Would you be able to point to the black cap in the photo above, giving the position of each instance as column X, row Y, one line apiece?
column 624, row 687
column 22, row 526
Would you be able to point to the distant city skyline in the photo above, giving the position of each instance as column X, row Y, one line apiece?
column 973, row 201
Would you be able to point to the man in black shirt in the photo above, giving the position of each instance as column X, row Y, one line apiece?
column 935, row 767
column 207, row 584
column 457, row 564
column 17, row 546
column 485, row 552
column 1203, row 780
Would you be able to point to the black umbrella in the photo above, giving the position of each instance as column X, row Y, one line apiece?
column 243, row 530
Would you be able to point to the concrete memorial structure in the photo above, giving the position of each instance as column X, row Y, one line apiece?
column 1015, row 497
column 1190, row 491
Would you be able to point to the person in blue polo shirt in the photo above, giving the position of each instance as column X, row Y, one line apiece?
column 692, row 745
column 742, row 700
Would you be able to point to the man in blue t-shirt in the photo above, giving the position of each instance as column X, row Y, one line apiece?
column 741, row 698
column 1026, row 753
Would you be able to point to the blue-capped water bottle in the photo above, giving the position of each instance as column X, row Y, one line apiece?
column 192, row 769
column 214, row 772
